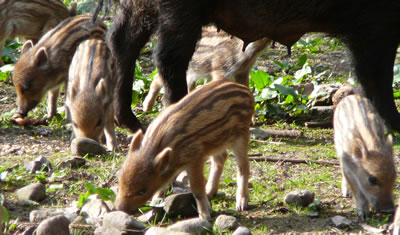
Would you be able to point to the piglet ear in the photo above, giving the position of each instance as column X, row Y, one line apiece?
column 27, row 45
column 389, row 143
column 136, row 141
column 359, row 149
column 41, row 57
column 101, row 91
column 161, row 162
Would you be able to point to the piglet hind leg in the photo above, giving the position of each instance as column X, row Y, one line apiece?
column 217, row 166
column 109, row 132
column 197, row 185
column 52, row 102
column 240, row 149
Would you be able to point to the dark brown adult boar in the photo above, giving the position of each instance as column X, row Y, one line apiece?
column 30, row 19
column 371, row 30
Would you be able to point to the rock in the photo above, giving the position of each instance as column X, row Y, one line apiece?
column 35, row 192
column 226, row 223
column 182, row 204
column 305, row 89
column 192, row 226
column 72, row 162
column 341, row 222
column 183, row 178
column 108, row 231
column 37, row 216
column 122, row 221
column 153, row 215
column 94, row 210
column 322, row 94
column 38, row 164
column 58, row 225
column 242, row 231
column 163, row 231
column 300, row 198
column 83, row 146
column 178, row 190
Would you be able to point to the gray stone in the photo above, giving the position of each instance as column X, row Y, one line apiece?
column 300, row 198
column 94, row 210
column 341, row 222
column 182, row 204
column 192, row 226
column 226, row 223
column 183, row 178
column 122, row 221
column 72, row 162
column 153, row 215
column 242, row 231
column 58, row 225
column 163, row 231
column 37, row 216
column 83, row 146
column 305, row 89
column 38, row 164
column 34, row 192
column 108, row 231
column 322, row 94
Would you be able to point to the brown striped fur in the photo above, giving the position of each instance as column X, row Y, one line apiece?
column 90, row 92
column 30, row 19
column 44, row 67
column 206, row 122
column 218, row 56
column 365, row 154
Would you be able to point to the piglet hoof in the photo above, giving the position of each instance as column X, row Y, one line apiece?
column 21, row 121
column 242, row 204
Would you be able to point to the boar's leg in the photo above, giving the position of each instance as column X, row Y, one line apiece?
column 133, row 25
column 197, row 185
column 240, row 149
column 176, row 44
column 217, row 166
column 374, row 61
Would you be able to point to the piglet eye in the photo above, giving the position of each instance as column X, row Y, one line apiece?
column 372, row 180
column 98, row 122
column 74, row 124
column 141, row 192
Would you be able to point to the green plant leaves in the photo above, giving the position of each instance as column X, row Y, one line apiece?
column 104, row 193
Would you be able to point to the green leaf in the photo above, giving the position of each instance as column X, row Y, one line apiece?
column 135, row 98
column 285, row 90
column 5, row 216
column 106, row 194
column 268, row 93
column 301, row 60
column 281, row 65
column 260, row 79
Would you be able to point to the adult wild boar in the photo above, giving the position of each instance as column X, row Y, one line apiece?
column 371, row 30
